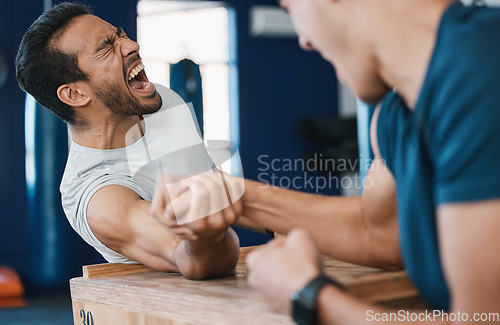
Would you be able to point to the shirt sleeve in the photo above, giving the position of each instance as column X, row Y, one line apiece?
column 466, row 142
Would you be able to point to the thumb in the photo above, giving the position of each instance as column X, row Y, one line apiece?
column 300, row 239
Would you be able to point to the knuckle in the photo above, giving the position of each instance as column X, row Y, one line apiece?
column 251, row 258
column 197, row 226
column 218, row 223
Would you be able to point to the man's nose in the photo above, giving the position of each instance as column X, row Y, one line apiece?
column 129, row 47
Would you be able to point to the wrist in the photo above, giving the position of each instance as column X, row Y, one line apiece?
column 207, row 240
column 250, row 195
column 258, row 204
column 324, row 308
column 205, row 258
column 305, row 301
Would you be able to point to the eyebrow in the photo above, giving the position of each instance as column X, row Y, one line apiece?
column 119, row 32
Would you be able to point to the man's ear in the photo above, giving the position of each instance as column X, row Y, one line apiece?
column 73, row 94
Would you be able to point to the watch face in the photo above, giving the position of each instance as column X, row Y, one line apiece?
column 303, row 309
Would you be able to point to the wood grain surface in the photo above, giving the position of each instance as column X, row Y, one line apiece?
column 113, row 269
column 150, row 297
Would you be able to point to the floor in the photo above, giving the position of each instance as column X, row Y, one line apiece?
column 42, row 309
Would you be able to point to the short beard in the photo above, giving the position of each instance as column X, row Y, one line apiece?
column 121, row 103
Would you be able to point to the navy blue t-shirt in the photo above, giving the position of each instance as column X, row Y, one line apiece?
column 447, row 149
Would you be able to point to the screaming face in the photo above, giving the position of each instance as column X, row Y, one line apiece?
column 126, row 102
column 115, row 71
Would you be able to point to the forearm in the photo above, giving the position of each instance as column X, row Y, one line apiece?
column 337, row 307
column 337, row 223
column 207, row 258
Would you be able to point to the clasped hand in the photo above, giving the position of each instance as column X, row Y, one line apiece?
column 198, row 207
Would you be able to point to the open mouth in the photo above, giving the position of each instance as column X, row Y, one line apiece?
column 138, row 80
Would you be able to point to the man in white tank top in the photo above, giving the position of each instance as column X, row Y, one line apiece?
column 125, row 132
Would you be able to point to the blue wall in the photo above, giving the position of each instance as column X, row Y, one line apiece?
column 15, row 18
column 278, row 84
column 13, row 239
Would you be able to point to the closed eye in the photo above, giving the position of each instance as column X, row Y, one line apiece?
column 108, row 45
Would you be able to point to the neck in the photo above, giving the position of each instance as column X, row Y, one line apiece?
column 107, row 133
column 404, row 43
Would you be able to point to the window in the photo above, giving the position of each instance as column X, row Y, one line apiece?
column 169, row 31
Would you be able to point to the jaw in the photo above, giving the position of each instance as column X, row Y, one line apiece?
column 146, row 97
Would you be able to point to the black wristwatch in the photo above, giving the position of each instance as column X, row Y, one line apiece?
column 304, row 301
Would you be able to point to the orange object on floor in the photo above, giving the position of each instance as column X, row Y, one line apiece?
column 11, row 288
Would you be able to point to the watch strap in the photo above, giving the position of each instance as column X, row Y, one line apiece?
column 304, row 309
column 312, row 289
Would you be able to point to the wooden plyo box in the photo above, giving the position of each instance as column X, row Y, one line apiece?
column 127, row 294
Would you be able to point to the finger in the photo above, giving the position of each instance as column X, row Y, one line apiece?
column 298, row 236
column 200, row 206
column 224, row 218
column 158, row 203
column 178, row 208
column 173, row 191
column 300, row 240
column 190, row 238
column 184, row 233
column 175, row 188
column 200, row 203
column 163, row 195
column 229, row 214
column 170, row 178
column 207, row 208
column 218, row 196
column 221, row 216
column 234, row 188
column 252, row 279
column 252, row 259
column 219, row 220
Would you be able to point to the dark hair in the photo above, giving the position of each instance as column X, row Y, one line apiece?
column 41, row 67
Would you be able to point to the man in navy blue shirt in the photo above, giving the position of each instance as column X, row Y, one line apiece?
column 433, row 204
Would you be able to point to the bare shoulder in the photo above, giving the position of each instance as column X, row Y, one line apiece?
column 112, row 207
column 111, row 199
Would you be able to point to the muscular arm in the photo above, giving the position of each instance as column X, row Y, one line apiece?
column 360, row 230
column 468, row 236
column 120, row 219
